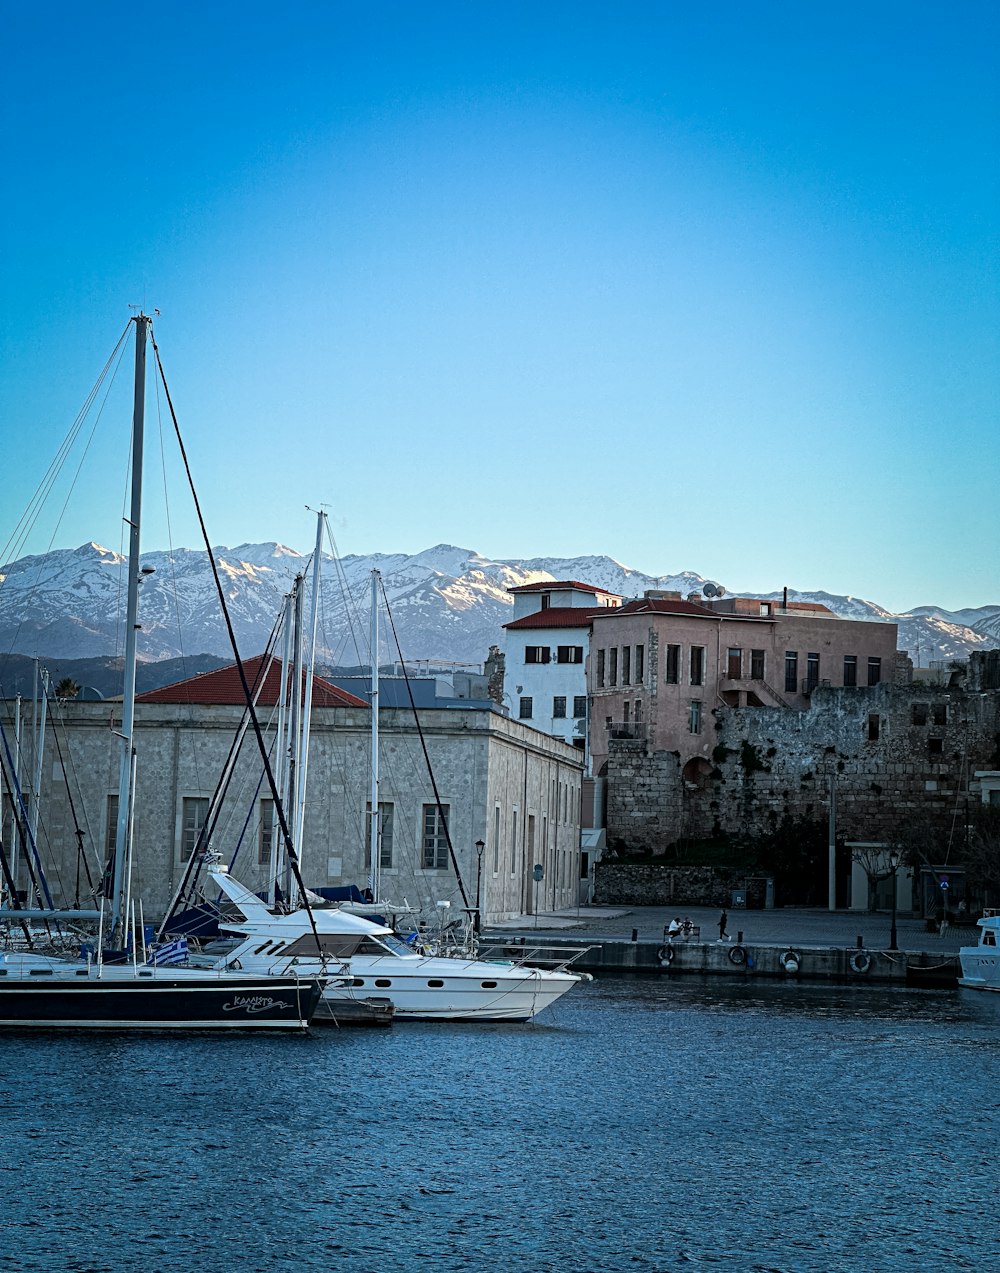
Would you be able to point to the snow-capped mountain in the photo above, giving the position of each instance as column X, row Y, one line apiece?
column 448, row 604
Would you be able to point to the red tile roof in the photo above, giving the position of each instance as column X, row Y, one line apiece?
column 561, row 586
column 560, row 617
column 665, row 605
column 222, row 687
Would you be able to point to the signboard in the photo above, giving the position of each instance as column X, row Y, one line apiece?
column 538, row 871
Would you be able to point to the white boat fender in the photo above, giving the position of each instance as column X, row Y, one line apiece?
column 861, row 961
column 737, row 956
column 666, row 954
column 791, row 960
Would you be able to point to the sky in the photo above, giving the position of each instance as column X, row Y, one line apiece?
column 701, row 287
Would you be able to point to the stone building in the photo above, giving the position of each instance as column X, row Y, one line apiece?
column 661, row 665
column 893, row 752
column 510, row 787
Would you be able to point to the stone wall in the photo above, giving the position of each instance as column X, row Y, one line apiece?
column 659, row 884
column 893, row 752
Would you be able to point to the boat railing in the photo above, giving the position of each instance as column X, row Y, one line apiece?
column 552, row 958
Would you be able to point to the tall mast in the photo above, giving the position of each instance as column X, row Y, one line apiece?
column 282, row 748
column 294, row 729
column 298, row 835
column 374, row 829
column 122, row 847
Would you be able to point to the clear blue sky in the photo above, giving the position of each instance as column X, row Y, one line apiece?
column 699, row 286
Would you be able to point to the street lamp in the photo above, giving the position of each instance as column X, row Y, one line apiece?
column 480, row 848
column 894, row 856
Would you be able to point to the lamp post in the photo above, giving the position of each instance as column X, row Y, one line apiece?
column 480, row 848
column 894, row 867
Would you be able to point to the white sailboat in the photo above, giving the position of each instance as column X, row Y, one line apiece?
column 42, row 991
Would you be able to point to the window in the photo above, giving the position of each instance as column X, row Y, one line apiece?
column 812, row 671
column 791, row 671
column 513, row 843
column 850, row 669
column 697, row 665
column 600, row 668
column 434, row 855
column 546, row 600
column 385, row 821
column 537, row 654
column 873, row 727
column 734, row 668
column 559, row 707
column 579, row 706
column 526, row 708
column 569, row 653
column 638, row 710
column 673, row 664
column 626, row 665
column 940, row 713
column 194, row 814
column 613, row 666
column 756, row 665
column 265, row 832
column 935, row 746
column 874, row 671
column 496, row 840
column 640, row 663
column 694, row 717
column 918, row 714
column 765, row 609
column 626, row 712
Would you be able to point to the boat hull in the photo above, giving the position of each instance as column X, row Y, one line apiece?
column 71, row 1001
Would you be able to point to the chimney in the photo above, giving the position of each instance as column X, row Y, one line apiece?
column 784, row 602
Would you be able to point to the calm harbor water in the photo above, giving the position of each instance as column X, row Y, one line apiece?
column 639, row 1125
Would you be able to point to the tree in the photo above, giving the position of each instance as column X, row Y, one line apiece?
column 982, row 858
column 67, row 689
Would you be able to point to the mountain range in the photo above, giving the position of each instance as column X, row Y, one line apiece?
column 447, row 604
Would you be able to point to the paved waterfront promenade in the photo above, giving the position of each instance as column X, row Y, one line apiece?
column 792, row 926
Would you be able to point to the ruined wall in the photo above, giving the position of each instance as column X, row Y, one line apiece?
column 894, row 752
column 656, row 884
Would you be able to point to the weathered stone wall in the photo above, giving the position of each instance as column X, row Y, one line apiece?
column 658, row 884
column 894, row 752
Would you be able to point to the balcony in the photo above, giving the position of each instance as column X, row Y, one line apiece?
column 633, row 729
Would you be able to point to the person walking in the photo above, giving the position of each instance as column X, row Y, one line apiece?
column 723, row 921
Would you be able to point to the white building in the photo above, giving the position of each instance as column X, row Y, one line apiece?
column 546, row 647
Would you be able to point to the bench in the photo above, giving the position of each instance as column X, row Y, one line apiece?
column 693, row 933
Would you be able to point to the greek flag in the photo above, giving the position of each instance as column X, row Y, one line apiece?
column 175, row 952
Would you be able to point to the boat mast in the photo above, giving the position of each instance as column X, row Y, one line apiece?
column 122, row 846
column 374, row 828
column 298, row 832
column 281, row 759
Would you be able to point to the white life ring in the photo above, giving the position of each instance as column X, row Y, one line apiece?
column 737, row 955
column 666, row 954
column 791, row 960
column 861, row 961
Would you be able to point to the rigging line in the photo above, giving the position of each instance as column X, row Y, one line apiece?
column 427, row 759
column 290, row 851
column 77, row 829
column 186, row 890
column 28, row 518
column 345, row 590
column 55, row 471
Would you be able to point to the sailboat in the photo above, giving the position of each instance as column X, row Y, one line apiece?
column 101, row 991
column 374, row 961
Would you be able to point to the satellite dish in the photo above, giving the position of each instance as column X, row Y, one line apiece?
column 719, row 590
column 710, row 589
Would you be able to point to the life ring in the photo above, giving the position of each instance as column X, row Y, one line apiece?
column 737, row 955
column 861, row 961
column 791, row 960
column 666, row 954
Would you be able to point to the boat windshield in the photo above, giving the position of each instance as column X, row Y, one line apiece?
column 396, row 946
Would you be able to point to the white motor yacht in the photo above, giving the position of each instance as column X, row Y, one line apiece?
column 981, row 964
column 363, row 959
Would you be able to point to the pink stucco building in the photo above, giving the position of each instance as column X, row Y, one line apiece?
column 659, row 665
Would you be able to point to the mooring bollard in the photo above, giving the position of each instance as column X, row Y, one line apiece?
column 739, row 937
column 635, row 934
column 861, row 942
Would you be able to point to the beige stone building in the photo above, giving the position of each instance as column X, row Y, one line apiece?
column 501, row 783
